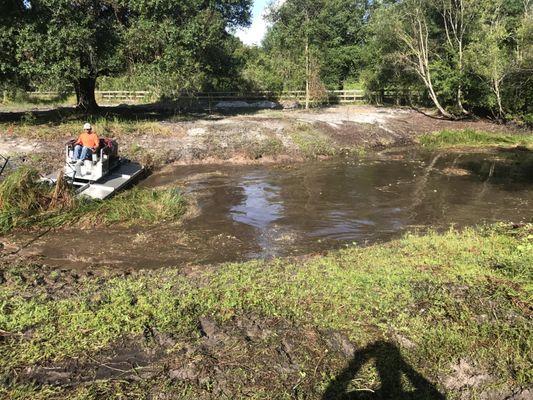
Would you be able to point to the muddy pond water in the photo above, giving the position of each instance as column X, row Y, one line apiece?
column 246, row 212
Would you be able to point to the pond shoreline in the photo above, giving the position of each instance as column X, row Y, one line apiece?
column 417, row 305
column 264, row 137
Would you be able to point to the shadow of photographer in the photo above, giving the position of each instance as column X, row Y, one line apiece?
column 390, row 366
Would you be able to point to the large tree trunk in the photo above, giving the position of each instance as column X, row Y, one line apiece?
column 85, row 99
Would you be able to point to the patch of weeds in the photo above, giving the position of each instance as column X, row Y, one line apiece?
column 117, row 127
column 271, row 113
column 103, row 126
column 25, row 202
column 125, row 306
column 27, row 391
column 22, row 196
column 311, row 142
column 176, row 118
column 358, row 152
column 268, row 147
column 135, row 149
column 134, row 206
column 470, row 137
column 28, row 118
column 154, row 128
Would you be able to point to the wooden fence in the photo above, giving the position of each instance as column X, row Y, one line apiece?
column 134, row 95
column 333, row 96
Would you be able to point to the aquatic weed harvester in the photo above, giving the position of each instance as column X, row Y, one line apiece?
column 99, row 175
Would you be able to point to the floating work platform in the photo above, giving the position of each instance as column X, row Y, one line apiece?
column 123, row 174
column 101, row 174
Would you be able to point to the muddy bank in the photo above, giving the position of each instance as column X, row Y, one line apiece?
column 262, row 137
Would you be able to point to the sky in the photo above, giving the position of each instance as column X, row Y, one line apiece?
column 255, row 33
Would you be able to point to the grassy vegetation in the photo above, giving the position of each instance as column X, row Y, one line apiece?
column 271, row 146
column 311, row 142
column 27, row 203
column 453, row 296
column 473, row 138
column 112, row 127
column 21, row 101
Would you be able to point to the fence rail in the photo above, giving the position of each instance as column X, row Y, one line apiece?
column 336, row 96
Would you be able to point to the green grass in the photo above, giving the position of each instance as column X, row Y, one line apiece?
column 311, row 142
column 271, row 146
column 27, row 203
column 458, row 295
column 473, row 138
column 23, row 101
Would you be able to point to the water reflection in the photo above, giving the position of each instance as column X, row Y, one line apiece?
column 318, row 206
column 261, row 205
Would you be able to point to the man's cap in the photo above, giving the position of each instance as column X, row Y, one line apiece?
column 86, row 126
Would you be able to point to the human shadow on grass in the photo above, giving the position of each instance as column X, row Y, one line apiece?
column 390, row 367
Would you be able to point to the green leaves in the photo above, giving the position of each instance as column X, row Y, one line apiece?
column 60, row 42
column 333, row 29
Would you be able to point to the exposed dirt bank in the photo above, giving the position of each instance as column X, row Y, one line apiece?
column 262, row 137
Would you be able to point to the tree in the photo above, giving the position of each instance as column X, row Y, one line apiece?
column 414, row 30
column 313, row 44
column 498, row 51
column 457, row 16
column 297, row 28
column 488, row 59
column 78, row 41
column 342, row 40
column 11, row 12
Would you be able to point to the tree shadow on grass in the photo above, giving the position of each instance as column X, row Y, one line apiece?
column 390, row 367
column 127, row 112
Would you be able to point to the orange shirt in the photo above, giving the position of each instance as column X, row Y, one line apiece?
column 88, row 140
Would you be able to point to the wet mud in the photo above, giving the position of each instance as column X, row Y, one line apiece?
column 246, row 212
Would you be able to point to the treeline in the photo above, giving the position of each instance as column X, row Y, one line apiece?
column 159, row 44
column 460, row 56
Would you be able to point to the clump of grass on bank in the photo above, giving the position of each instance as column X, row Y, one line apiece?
column 453, row 296
column 473, row 138
column 311, row 142
column 27, row 203
column 267, row 147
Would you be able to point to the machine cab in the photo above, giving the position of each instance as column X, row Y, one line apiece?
column 95, row 166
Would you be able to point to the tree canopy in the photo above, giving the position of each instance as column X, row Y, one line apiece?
column 461, row 56
column 176, row 42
